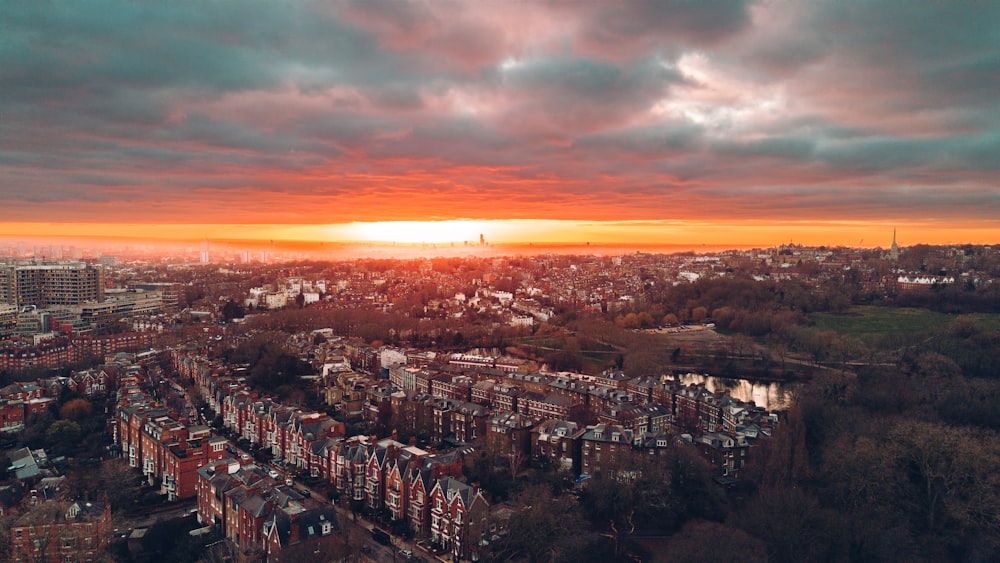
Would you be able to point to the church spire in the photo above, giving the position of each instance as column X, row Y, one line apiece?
column 894, row 249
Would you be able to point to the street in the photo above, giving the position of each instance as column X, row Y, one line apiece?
column 150, row 518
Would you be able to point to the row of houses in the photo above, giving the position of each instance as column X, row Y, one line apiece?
column 399, row 482
column 502, row 411
column 165, row 447
column 470, row 403
column 583, row 424
column 66, row 350
column 19, row 401
column 259, row 514
column 46, row 523
column 385, row 479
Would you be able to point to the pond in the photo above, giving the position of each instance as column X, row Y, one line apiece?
column 771, row 395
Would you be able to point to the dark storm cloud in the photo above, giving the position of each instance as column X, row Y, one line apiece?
column 657, row 24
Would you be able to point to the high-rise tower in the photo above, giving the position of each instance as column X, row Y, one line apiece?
column 52, row 284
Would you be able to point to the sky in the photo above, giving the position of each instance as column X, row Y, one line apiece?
column 673, row 122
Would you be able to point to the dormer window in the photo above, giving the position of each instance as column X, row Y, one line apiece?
column 614, row 437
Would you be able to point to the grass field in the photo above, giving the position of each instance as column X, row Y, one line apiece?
column 874, row 322
column 591, row 353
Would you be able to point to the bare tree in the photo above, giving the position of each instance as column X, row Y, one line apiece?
column 516, row 459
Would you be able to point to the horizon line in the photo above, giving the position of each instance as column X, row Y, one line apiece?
column 529, row 232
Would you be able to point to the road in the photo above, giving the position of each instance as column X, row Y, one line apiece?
column 154, row 516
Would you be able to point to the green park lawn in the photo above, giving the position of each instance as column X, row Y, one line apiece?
column 875, row 322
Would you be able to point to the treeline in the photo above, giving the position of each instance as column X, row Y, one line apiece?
column 960, row 297
column 965, row 347
column 640, row 496
column 739, row 304
column 744, row 294
column 396, row 328
column 908, row 471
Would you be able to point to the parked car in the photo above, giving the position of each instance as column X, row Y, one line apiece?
column 381, row 536
column 405, row 553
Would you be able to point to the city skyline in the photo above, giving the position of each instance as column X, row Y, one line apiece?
column 641, row 123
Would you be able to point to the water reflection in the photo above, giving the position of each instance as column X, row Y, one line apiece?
column 770, row 395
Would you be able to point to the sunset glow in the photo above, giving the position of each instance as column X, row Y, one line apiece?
column 635, row 123
column 412, row 232
column 521, row 232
